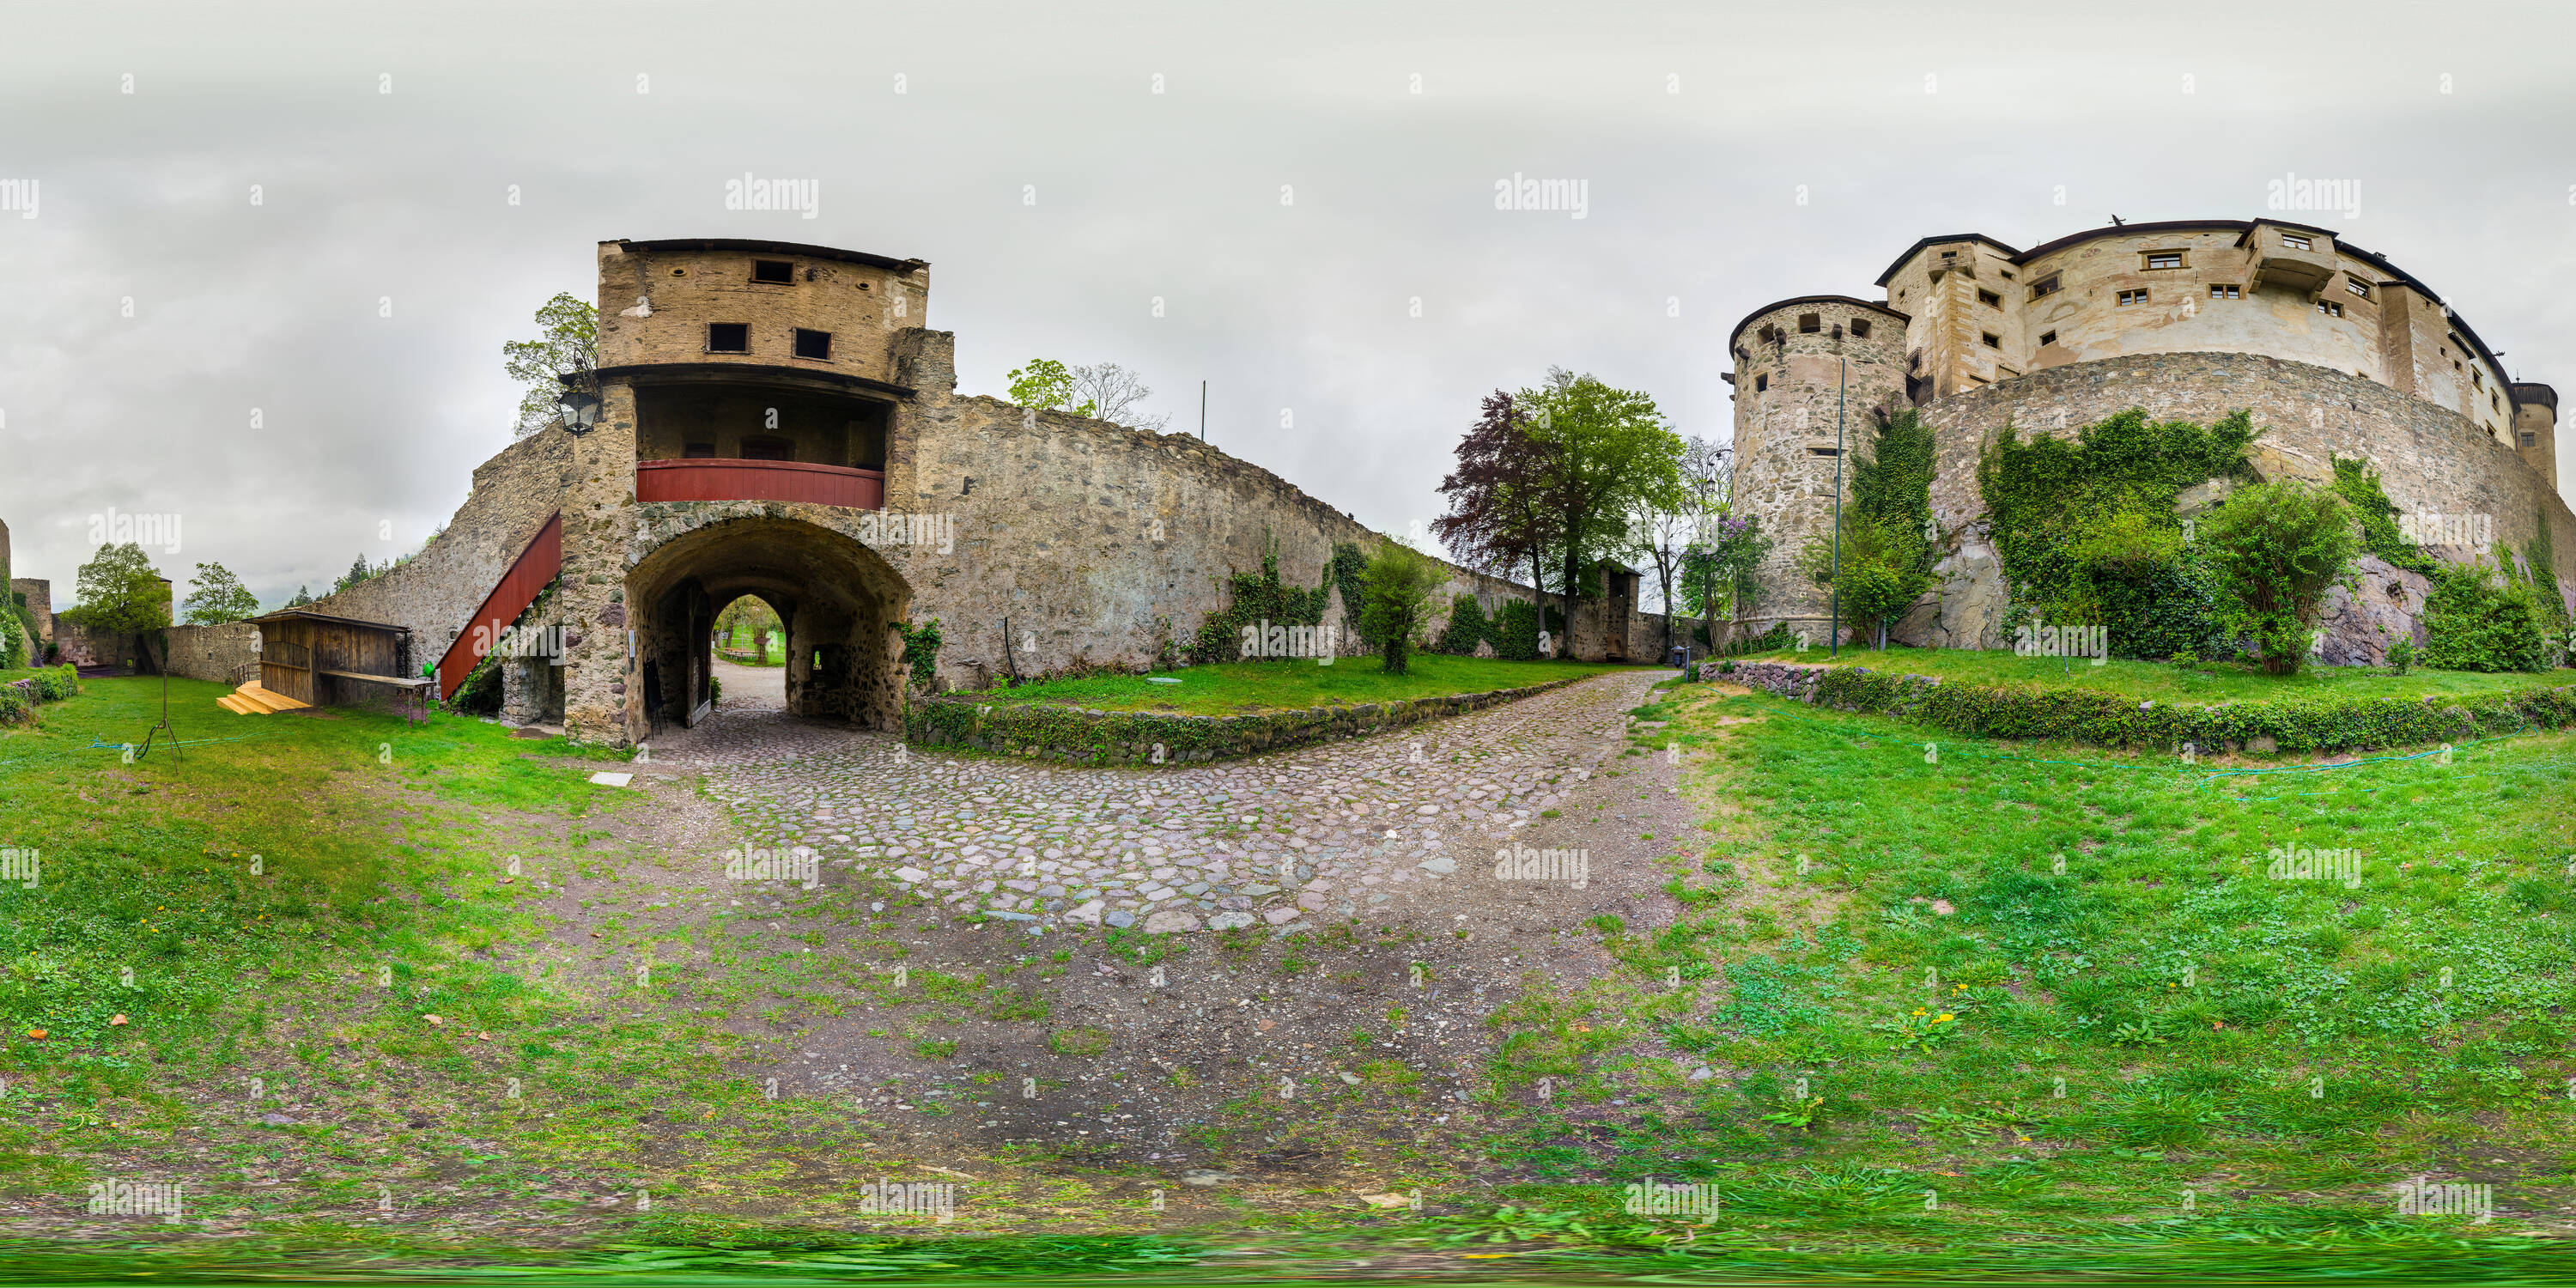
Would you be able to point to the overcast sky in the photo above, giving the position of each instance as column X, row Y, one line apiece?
column 1694, row 127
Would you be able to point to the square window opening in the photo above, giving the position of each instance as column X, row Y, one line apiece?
column 1809, row 324
column 772, row 270
column 728, row 337
column 813, row 344
column 1860, row 328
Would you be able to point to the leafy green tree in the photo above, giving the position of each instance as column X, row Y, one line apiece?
column 567, row 344
column 1500, row 516
column 1717, row 570
column 118, row 593
column 1400, row 581
column 2484, row 619
column 1046, row 385
column 2279, row 547
column 215, row 596
column 1467, row 627
column 1886, row 550
column 1612, row 453
column 303, row 596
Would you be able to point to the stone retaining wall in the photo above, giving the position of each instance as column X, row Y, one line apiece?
column 1092, row 737
column 212, row 652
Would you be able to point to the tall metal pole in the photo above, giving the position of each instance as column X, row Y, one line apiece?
column 1836, row 625
column 1202, row 411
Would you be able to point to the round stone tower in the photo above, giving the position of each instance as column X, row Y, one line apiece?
column 1800, row 364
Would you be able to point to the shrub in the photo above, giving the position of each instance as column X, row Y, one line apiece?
column 2279, row 547
column 2358, row 485
column 1884, row 569
column 2049, row 496
column 2478, row 619
column 14, row 705
column 1256, row 598
column 1399, row 583
column 2401, row 656
column 1516, row 631
column 1467, row 628
column 921, row 650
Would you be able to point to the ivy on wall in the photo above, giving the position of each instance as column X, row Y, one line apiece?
column 1254, row 598
column 2358, row 485
column 2086, row 530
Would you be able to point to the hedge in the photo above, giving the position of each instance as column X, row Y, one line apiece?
column 1085, row 736
column 2114, row 720
column 18, row 698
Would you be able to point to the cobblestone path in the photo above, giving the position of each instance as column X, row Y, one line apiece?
column 1327, row 830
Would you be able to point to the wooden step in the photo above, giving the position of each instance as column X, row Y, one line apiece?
column 240, row 706
column 252, row 692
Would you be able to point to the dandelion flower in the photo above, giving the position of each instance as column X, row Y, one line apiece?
column 1945, row 1018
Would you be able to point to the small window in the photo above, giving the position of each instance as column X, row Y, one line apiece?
column 2007, row 276
column 698, row 452
column 728, row 337
column 1990, row 299
column 1809, row 324
column 2044, row 286
column 1824, row 451
column 2047, row 338
column 2530, row 439
column 2295, row 241
column 1991, row 340
column 2133, row 297
column 1761, row 383
column 2226, row 291
column 1860, row 328
column 813, row 344
column 1949, row 254
column 768, row 449
column 1979, row 381
column 2334, row 309
column 772, row 270
column 2359, row 288
column 2164, row 259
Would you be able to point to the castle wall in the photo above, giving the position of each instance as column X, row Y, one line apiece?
column 40, row 601
column 215, row 653
column 2428, row 457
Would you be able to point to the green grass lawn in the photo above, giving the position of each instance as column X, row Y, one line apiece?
column 2055, row 992
column 1237, row 688
column 2207, row 682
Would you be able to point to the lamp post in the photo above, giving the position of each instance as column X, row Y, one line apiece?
column 1835, row 627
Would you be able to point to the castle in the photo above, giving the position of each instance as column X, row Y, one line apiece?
column 2333, row 349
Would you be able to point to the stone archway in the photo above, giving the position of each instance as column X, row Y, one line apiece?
column 837, row 598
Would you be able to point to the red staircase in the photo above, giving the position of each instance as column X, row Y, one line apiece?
column 537, row 565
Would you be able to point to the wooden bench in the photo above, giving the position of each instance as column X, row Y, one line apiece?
column 419, row 685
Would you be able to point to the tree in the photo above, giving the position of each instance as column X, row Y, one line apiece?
column 215, row 596
column 1499, row 516
column 358, row 571
column 1110, row 392
column 1400, row 581
column 120, row 594
column 1044, row 384
column 303, row 596
column 751, row 613
column 567, row 344
column 1886, row 546
column 1612, row 451
column 1717, row 569
column 2280, row 546
column 1662, row 519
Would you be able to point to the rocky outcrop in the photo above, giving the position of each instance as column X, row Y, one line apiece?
column 2381, row 605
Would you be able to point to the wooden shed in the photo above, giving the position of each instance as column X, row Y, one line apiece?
column 324, row 661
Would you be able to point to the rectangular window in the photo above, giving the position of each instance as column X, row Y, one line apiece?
column 2133, row 297
column 2330, row 308
column 728, row 337
column 1860, row 328
column 1809, row 324
column 2222, row 291
column 2361, row 289
column 2530, row 439
column 2295, row 242
column 2164, row 259
column 2008, row 277
column 813, row 344
column 1990, row 299
column 1991, row 340
column 1761, row 382
column 1824, row 451
column 772, row 270
column 2047, row 338
column 2044, row 286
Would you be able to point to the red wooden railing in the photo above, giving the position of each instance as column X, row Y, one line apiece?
column 730, row 480
column 519, row 588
